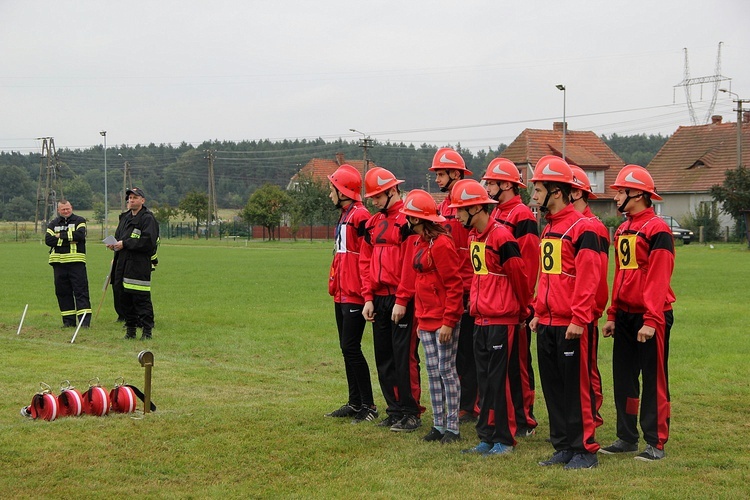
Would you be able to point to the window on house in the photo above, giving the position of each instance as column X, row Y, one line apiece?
column 596, row 177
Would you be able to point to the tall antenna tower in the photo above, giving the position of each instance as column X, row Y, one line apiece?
column 688, row 82
column 49, row 189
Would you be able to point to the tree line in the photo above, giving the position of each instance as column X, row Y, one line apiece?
column 168, row 173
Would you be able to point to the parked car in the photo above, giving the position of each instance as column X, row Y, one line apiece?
column 679, row 232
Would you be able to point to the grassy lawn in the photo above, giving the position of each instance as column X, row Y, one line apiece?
column 247, row 362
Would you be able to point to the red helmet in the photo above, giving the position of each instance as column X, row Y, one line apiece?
column 348, row 181
column 378, row 180
column 468, row 192
column 636, row 177
column 123, row 399
column 553, row 169
column 581, row 181
column 448, row 159
column 503, row 170
column 70, row 401
column 420, row 204
column 43, row 405
column 96, row 401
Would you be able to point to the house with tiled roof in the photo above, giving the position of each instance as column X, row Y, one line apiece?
column 692, row 160
column 321, row 168
column 582, row 148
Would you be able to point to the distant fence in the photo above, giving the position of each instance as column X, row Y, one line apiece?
column 238, row 230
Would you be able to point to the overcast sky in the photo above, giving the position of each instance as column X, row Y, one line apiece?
column 437, row 71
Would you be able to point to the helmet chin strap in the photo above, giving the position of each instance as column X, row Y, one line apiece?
column 341, row 198
column 467, row 224
column 543, row 207
column 624, row 204
column 384, row 210
column 412, row 226
column 447, row 187
column 500, row 191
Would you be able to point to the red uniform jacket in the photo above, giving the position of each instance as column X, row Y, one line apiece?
column 570, row 269
column 343, row 281
column 382, row 252
column 431, row 277
column 642, row 274
column 460, row 237
column 521, row 222
column 499, row 290
column 602, row 293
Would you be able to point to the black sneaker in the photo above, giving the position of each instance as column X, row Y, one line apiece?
column 365, row 414
column 466, row 417
column 619, row 446
column 582, row 461
column 346, row 410
column 651, row 454
column 433, row 435
column 25, row 412
column 524, row 432
column 409, row 423
column 559, row 457
column 389, row 421
column 450, row 437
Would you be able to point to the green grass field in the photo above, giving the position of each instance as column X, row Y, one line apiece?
column 247, row 362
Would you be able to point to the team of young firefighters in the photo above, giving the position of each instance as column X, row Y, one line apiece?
column 473, row 279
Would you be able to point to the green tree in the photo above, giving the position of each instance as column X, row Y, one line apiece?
column 734, row 195
column 163, row 212
column 79, row 193
column 195, row 204
column 309, row 201
column 16, row 182
column 266, row 207
column 98, row 214
column 19, row 209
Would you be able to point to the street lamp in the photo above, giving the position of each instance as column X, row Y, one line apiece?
column 365, row 145
column 103, row 133
column 739, row 124
column 565, row 124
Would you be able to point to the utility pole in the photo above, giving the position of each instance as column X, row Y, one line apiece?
column 212, row 212
column 739, row 102
column 103, row 133
column 49, row 186
column 366, row 143
column 126, row 182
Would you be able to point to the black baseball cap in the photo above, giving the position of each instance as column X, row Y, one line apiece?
column 135, row 191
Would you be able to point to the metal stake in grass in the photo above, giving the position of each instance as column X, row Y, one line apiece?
column 23, row 316
column 146, row 359
column 83, row 317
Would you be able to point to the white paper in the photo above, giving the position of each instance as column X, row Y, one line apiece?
column 109, row 240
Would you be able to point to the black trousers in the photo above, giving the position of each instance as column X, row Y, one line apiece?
column 493, row 346
column 72, row 290
column 565, row 375
column 521, row 374
column 351, row 326
column 649, row 361
column 397, row 358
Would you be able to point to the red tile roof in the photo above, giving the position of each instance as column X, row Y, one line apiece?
column 582, row 148
column 696, row 157
column 321, row 168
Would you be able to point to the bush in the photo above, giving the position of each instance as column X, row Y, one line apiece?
column 706, row 215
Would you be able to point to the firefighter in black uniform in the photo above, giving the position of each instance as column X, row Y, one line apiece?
column 66, row 237
column 137, row 237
